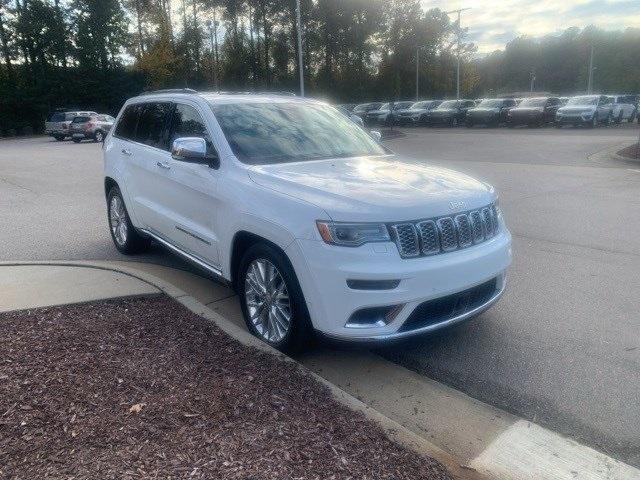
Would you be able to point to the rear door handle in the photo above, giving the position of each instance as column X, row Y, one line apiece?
column 126, row 152
column 163, row 165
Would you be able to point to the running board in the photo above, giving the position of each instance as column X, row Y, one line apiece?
column 187, row 256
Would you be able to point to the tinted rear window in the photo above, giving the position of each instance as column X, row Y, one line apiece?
column 81, row 119
column 152, row 125
column 57, row 117
column 126, row 127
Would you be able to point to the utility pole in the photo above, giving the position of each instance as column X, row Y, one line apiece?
column 533, row 79
column 300, row 65
column 459, row 34
column 418, row 73
column 590, row 82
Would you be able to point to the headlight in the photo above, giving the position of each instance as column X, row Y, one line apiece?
column 352, row 234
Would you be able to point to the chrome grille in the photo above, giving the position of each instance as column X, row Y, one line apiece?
column 406, row 239
column 445, row 234
column 429, row 237
column 448, row 236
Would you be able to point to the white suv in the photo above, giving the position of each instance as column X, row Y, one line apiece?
column 317, row 226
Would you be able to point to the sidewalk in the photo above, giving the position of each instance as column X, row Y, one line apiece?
column 467, row 436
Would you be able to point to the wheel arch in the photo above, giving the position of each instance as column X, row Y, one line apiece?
column 242, row 241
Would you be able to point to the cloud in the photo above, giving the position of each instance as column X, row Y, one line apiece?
column 493, row 23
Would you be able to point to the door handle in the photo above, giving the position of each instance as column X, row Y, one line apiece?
column 126, row 152
column 163, row 165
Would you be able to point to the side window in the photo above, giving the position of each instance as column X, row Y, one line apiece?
column 152, row 125
column 126, row 127
column 187, row 122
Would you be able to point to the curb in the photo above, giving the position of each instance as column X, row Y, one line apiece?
column 392, row 429
column 611, row 154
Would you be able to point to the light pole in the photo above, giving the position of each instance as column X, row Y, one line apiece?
column 459, row 11
column 590, row 81
column 533, row 79
column 300, row 66
column 418, row 73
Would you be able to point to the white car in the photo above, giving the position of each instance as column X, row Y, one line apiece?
column 625, row 107
column 317, row 226
column 588, row 110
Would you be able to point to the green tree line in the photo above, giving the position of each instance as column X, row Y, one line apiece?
column 94, row 54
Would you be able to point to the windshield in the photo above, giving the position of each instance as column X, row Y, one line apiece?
column 263, row 133
column 420, row 105
column 490, row 103
column 583, row 101
column 533, row 102
column 448, row 104
column 57, row 117
column 400, row 105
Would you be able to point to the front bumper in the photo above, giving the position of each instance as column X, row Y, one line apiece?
column 323, row 271
column 574, row 118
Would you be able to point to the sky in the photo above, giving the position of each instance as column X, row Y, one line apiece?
column 493, row 23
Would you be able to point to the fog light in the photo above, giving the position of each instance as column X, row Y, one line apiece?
column 374, row 316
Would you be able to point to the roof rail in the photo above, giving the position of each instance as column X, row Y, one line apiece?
column 170, row 90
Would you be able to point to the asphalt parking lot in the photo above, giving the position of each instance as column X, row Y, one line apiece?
column 561, row 348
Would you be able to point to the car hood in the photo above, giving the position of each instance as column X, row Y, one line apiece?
column 381, row 189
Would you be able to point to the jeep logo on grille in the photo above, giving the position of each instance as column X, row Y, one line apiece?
column 459, row 205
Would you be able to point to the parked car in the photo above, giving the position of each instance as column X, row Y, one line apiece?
column 589, row 110
column 534, row 112
column 93, row 127
column 449, row 112
column 354, row 118
column 417, row 112
column 490, row 112
column 386, row 114
column 563, row 101
column 362, row 109
column 57, row 126
column 348, row 106
column 624, row 107
column 317, row 226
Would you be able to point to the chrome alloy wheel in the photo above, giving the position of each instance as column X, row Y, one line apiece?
column 118, row 220
column 267, row 300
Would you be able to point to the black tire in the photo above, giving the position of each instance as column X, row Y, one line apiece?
column 134, row 242
column 454, row 122
column 557, row 125
column 300, row 332
column 59, row 138
column 98, row 136
column 618, row 120
column 76, row 140
column 594, row 122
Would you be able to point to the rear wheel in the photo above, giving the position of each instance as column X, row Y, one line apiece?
column 124, row 235
column 271, row 299
column 98, row 136
column 76, row 140
column 619, row 117
column 454, row 122
column 632, row 117
column 59, row 138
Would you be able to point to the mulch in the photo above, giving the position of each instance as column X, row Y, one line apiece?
column 632, row 151
column 144, row 388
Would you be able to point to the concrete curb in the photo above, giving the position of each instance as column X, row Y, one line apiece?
column 392, row 429
column 611, row 154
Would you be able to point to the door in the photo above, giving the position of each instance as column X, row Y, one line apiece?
column 145, row 153
column 193, row 189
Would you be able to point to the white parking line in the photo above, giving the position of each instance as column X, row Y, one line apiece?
column 526, row 451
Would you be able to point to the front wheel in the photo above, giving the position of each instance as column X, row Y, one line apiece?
column 124, row 235
column 594, row 122
column 454, row 122
column 271, row 299
column 59, row 138
column 98, row 136
column 76, row 140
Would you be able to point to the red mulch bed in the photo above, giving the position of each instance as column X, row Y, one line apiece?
column 632, row 151
column 143, row 388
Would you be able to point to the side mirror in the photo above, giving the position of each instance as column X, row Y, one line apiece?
column 377, row 136
column 192, row 150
